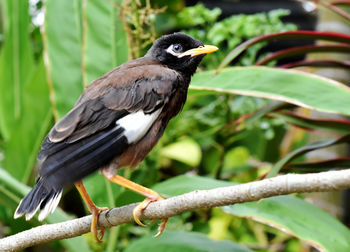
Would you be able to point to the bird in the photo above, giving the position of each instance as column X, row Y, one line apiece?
column 114, row 124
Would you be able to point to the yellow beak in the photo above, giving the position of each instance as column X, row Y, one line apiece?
column 206, row 49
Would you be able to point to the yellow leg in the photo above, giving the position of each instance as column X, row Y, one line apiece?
column 150, row 195
column 95, row 211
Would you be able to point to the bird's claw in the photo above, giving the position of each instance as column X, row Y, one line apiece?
column 138, row 210
column 142, row 206
column 161, row 227
column 95, row 211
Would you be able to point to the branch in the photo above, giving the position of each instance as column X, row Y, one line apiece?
column 285, row 184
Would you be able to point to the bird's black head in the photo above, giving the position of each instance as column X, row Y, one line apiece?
column 180, row 52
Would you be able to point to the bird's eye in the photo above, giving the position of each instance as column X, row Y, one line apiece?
column 177, row 48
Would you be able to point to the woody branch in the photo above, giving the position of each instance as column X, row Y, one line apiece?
column 285, row 184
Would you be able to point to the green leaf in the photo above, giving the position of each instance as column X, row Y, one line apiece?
column 318, row 166
column 62, row 50
column 184, row 184
column 15, row 63
column 334, row 125
column 287, row 213
column 22, row 147
column 299, row 218
column 179, row 241
column 186, row 151
column 319, row 63
column 302, row 50
column 316, row 35
column 294, row 87
column 13, row 184
column 304, row 149
column 105, row 39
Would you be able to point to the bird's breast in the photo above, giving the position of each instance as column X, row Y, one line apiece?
column 136, row 152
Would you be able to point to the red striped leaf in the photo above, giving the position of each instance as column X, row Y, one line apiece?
column 341, row 126
column 303, row 50
column 330, row 36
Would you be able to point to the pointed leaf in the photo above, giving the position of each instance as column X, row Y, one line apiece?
column 337, row 10
column 338, row 48
column 315, row 35
column 23, row 145
column 318, row 63
column 307, row 148
column 302, row 89
column 62, row 50
column 104, row 44
column 15, row 63
column 318, row 166
column 334, row 125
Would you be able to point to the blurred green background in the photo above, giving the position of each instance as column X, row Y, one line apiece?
column 51, row 50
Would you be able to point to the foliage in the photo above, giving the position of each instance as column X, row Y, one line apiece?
column 229, row 131
column 231, row 31
column 139, row 24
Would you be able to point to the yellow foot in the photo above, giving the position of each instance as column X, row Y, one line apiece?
column 142, row 206
column 95, row 211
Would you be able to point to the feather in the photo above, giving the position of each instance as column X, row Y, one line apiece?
column 39, row 197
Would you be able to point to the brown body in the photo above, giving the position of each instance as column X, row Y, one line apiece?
column 138, row 151
column 115, row 123
column 141, row 84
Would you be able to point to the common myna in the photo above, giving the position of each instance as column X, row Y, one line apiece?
column 114, row 124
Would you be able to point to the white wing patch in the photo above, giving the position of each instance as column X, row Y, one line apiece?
column 137, row 124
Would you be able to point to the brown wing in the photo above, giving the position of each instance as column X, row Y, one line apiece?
column 87, row 137
column 119, row 92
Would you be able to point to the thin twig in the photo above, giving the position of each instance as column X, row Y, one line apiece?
column 291, row 183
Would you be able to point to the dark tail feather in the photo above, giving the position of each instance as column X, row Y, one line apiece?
column 39, row 197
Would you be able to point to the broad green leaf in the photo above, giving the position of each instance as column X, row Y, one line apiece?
column 14, row 190
column 291, row 86
column 186, row 151
column 15, row 63
column 22, row 147
column 288, row 213
column 299, row 218
column 179, row 241
column 104, row 39
column 184, row 184
column 62, row 50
